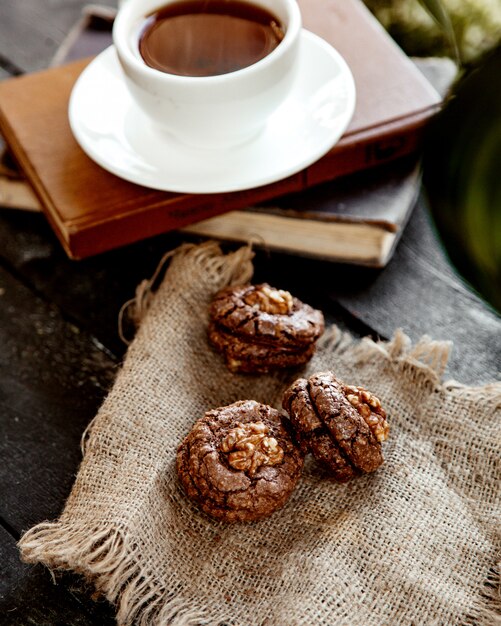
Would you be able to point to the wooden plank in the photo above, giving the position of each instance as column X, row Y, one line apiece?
column 53, row 378
column 32, row 30
column 89, row 292
column 28, row 595
column 421, row 293
column 11, row 567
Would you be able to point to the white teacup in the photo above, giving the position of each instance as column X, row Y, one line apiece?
column 211, row 111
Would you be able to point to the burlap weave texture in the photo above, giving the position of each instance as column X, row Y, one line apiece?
column 417, row 542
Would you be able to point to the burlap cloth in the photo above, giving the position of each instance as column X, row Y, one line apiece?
column 416, row 543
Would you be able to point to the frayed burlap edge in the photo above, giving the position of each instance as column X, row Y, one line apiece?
column 234, row 268
column 105, row 558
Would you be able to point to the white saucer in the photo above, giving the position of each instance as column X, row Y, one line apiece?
column 115, row 133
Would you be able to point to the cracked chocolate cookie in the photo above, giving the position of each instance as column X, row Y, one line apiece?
column 258, row 328
column 343, row 426
column 239, row 462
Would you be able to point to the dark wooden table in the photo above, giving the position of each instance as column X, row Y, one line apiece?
column 59, row 345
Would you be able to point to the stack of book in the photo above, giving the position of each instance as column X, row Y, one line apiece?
column 351, row 205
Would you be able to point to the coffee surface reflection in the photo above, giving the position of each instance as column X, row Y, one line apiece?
column 208, row 37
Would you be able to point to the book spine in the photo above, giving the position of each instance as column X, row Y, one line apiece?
column 83, row 238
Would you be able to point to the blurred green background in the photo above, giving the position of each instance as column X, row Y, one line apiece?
column 462, row 156
column 414, row 25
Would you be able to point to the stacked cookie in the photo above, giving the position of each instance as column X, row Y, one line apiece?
column 259, row 329
column 341, row 425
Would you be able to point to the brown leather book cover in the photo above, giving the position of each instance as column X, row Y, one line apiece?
column 92, row 210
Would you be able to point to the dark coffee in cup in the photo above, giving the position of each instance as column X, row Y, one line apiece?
column 208, row 37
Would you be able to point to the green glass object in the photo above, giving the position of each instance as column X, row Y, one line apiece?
column 462, row 177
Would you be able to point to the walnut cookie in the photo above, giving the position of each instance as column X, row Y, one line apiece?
column 343, row 426
column 258, row 328
column 239, row 462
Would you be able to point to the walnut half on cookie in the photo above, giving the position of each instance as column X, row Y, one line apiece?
column 258, row 328
column 341, row 425
column 239, row 462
